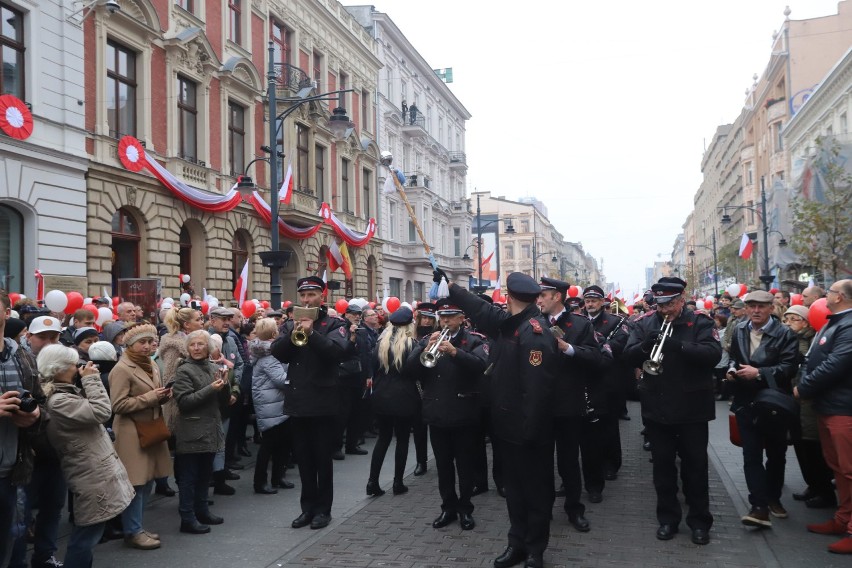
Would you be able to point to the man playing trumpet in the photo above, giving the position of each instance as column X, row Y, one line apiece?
column 677, row 403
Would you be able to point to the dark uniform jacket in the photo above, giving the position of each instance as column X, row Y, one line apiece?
column 683, row 393
column 575, row 374
column 776, row 358
column 827, row 377
column 395, row 391
column 612, row 332
column 451, row 396
column 312, row 388
column 522, row 365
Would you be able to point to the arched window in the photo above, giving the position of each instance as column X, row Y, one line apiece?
column 240, row 255
column 11, row 249
column 125, row 247
column 185, row 251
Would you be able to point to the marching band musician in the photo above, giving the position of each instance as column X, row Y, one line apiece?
column 426, row 322
column 573, row 432
column 312, row 398
column 677, row 404
column 451, row 409
column 521, row 365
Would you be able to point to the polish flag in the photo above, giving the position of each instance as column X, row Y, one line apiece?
column 241, row 289
column 496, row 295
column 746, row 247
column 286, row 191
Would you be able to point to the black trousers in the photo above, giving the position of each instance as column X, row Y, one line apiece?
column 764, row 481
column 609, row 427
column 575, row 437
column 391, row 426
column 313, row 445
column 420, row 438
column 815, row 471
column 480, row 459
column 274, row 447
column 193, row 473
column 689, row 442
column 528, row 477
column 454, row 452
column 350, row 419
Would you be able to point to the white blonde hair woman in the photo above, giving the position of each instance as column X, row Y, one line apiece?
column 95, row 475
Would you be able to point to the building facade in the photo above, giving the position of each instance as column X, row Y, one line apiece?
column 422, row 123
column 188, row 80
column 43, row 194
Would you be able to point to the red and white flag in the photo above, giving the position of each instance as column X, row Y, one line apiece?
column 496, row 295
column 241, row 289
column 39, row 286
column 286, row 191
column 746, row 247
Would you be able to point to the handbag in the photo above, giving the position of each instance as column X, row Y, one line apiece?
column 775, row 410
column 152, row 432
column 734, row 431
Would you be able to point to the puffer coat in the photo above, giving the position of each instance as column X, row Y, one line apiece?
column 267, row 385
column 199, row 424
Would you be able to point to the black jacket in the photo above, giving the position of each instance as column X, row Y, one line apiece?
column 312, row 383
column 522, row 365
column 683, row 393
column 578, row 372
column 612, row 332
column 776, row 358
column 451, row 396
column 827, row 377
column 395, row 391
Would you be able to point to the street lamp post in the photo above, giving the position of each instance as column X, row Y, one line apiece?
column 715, row 262
column 509, row 230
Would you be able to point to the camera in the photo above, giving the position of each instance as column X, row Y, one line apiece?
column 195, row 305
column 28, row 403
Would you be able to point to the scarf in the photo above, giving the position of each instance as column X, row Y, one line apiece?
column 142, row 361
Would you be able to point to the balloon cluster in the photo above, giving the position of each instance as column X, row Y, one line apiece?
column 737, row 290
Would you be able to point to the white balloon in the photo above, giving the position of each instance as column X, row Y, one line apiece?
column 405, row 305
column 733, row 290
column 169, row 301
column 184, row 278
column 166, row 306
column 87, row 301
column 184, row 299
column 56, row 300
column 104, row 315
column 212, row 302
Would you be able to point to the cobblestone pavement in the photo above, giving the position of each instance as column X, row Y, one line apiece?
column 395, row 531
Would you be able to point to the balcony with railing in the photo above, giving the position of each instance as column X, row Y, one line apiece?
column 417, row 179
column 415, row 126
column 458, row 160
column 290, row 80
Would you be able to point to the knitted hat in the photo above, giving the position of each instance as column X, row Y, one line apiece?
column 102, row 351
column 14, row 327
column 84, row 333
column 140, row 331
column 800, row 311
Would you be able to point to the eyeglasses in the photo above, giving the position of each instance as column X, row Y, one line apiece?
column 830, row 291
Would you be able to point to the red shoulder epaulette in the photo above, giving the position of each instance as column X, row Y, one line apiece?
column 649, row 313
column 479, row 335
column 536, row 327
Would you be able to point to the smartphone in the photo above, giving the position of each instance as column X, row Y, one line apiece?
column 195, row 305
column 170, row 384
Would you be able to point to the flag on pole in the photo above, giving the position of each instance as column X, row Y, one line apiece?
column 495, row 295
column 338, row 257
column 286, row 191
column 325, row 281
column 107, row 296
column 746, row 247
column 241, row 289
column 39, row 286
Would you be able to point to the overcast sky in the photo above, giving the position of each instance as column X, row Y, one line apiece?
column 600, row 109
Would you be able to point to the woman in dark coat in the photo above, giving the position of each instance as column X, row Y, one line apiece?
column 395, row 398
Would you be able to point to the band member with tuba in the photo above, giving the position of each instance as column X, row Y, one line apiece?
column 677, row 350
column 521, row 365
column 452, row 361
column 576, row 377
column 313, row 347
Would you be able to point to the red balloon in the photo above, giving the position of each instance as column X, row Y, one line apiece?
column 573, row 291
column 818, row 314
column 92, row 308
column 393, row 304
column 774, row 291
column 796, row 300
column 341, row 305
column 204, row 307
column 115, row 301
column 13, row 299
column 743, row 290
column 248, row 308
column 630, row 310
column 287, row 303
column 75, row 302
column 372, row 305
column 708, row 304
column 264, row 304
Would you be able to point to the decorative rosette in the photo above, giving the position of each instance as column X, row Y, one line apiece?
column 131, row 153
column 16, row 120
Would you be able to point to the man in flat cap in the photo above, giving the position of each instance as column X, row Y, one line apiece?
column 764, row 355
column 522, row 365
column 574, row 423
column 677, row 404
column 312, row 398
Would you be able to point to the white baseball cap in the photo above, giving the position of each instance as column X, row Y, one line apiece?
column 45, row 323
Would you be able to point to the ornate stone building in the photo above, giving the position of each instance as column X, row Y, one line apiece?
column 188, row 80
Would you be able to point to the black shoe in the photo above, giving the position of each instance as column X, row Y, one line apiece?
column 443, row 520
column 666, row 532
column 501, row 491
column 420, row 469
column 610, row 475
column 235, row 465
column 165, row 490
column 302, row 520
column 479, row 490
column 210, row 519
column 534, row 561
column 369, row 434
column 223, row 489
column 579, row 522
column 231, row 476
column 821, row 502
column 194, row 528
column 244, row 451
column 646, row 446
column 399, row 487
column 265, row 490
column 356, row 451
column 700, row 536
column 338, row 455
column 805, row 495
column 466, row 521
column 624, row 416
column 373, row 489
column 283, row 484
column 561, row 491
column 510, row 557
column 51, row 562
column 112, row 533
column 595, row 497
column 320, row 521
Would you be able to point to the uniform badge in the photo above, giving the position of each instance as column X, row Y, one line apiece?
column 536, row 327
column 822, row 340
column 535, row 358
column 342, row 331
column 485, row 348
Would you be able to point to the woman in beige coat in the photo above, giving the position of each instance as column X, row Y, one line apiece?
column 137, row 392
column 95, row 475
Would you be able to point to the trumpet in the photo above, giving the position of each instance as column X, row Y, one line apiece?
column 654, row 365
column 429, row 357
column 299, row 338
column 617, row 307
